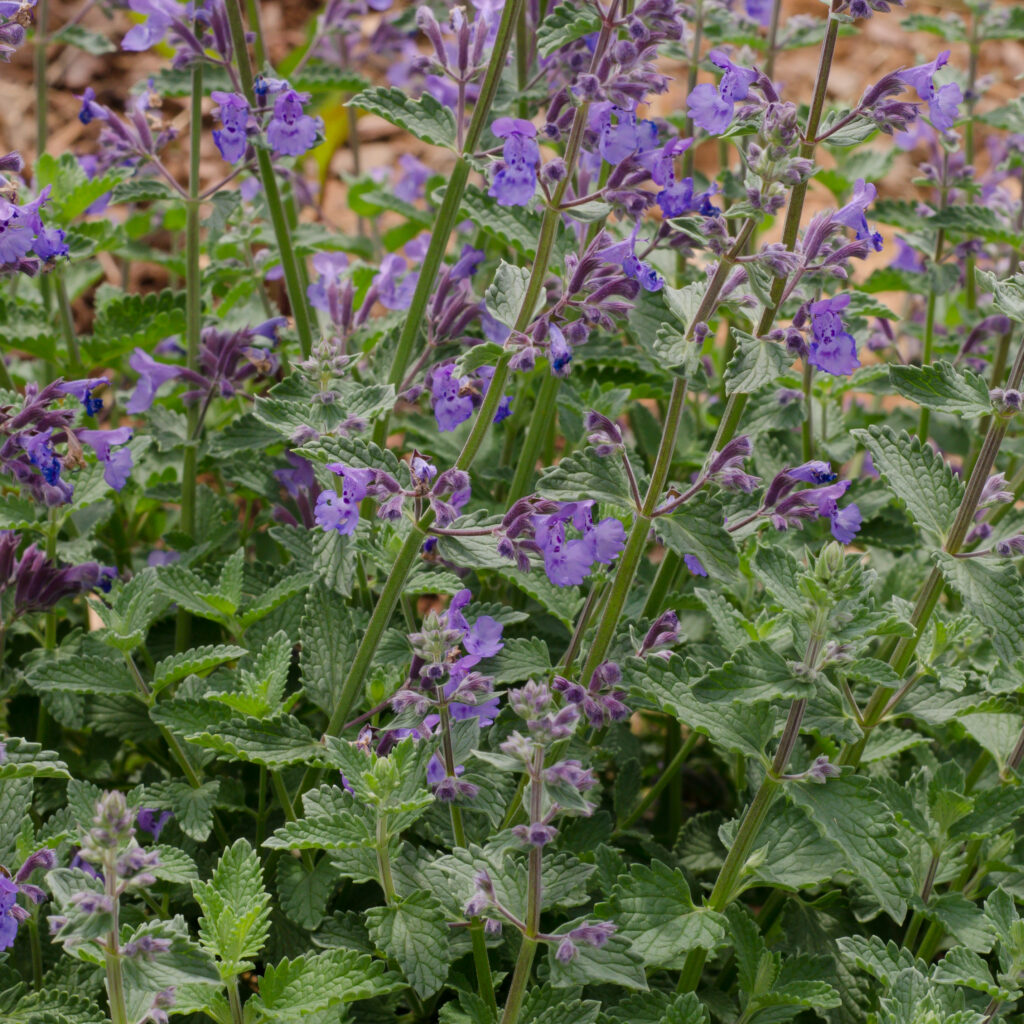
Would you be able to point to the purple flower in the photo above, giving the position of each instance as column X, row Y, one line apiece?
column 943, row 103
column 624, row 253
column 559, row 351
column 760, row 11
column 20, row 227
column 290, row 131
column 852, row 215
column 694, row 564
column 711, row 108
column 340, row 512
column 619, row 141
column 833, row 349
column 8, row 922
column 233, row 111
column 117, row 465
column 410, row 183
column 83, row 389
column 537, row 834
column 908, row 258
column 516, row 180
column 159, row 15
column 391, row 292
column 330, row 266
column 153, row 821
column 566, row 562
column 40, row 451
column 49, row 244
column 814, row 472
column 90, row 108
column 451, row 406
column 845, row 523
column 679, row 198
column 152, row 376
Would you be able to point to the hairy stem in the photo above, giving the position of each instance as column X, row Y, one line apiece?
column 278, row 217
column 193, row 328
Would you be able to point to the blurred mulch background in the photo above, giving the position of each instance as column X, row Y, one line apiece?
column 880, row 46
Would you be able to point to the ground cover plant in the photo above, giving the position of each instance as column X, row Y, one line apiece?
column 581, row 587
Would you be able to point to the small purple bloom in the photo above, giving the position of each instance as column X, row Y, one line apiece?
column 117, row 465
column 158, row 14
column 41, row 453
column 621, row 140
column 679, row 198
column 908, row 258
column 152, row 376
column 943, row 103
column 833, row 349
column 760, row 11
column 233, row 111
column 559, row 351
column 516, row 180
column 153, row 821
column 566, row 562
column 340, row 512
column 451, row 407
column 8, row 922
column 853, row 215
column 694, row 564
column 290, row 131
column 410, row 183
column 90, row 108
column 712, row 108
column 330, row 266
column 845, row 523
column 624, row 253
column 392, row 292
column 814, row 472
column 83, row 389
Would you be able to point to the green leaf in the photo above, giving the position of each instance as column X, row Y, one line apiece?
column 882, row 960
column 197, row 661
column 994, row 595
column 293, row 989
column 586, row 475
column 193, row 808
column 521, row 658
column 84, row 673
column 943, row 387
column 25, row 760
column 667, row 684
column 271, row 742
column 754, row 673
column 962, row 919
column 683, row 303
column 918, row 477
column 328, row 641
column 654, row 910
column 304, row 894
column 851, row 814
column 142, row 190
column 236, row 910
column 425, row 118
column 962, row 966
column 754, row 364
column 349, row 827
column 1007, row 295
column 614, row 963
column 514, row 226
column 656, row 1007
column 124, row 321
column 91, row 42
column 564, row 24
column 697, row 528
column 505, row 294
column 415, row 933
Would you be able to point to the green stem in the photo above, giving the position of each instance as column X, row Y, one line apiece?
column 278, row 218
column 259, row 46
column 663, row 580
column 671, row 771
column 112, row 950
column 524, row 962
column 929, row 333
column 691, row 80
column 449, row 213
column 235, row 1002
column 544, row 412
column 737, row 401
column 773, row 36
column 193, row 328
column 42, row 18
column 636, row 543
column 387, row 881
column 930, row 593
column 37, row 950
column 67, row 320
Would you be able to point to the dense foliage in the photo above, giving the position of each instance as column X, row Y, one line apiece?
column 585, row 591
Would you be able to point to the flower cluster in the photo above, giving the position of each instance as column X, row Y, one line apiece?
column 11, row 914
column 540, row 527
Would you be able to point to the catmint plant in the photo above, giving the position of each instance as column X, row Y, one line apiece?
column 510, row 511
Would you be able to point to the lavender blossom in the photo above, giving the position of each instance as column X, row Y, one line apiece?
column 291, row 132
column 516, row 179
column 712, row 108
column 943, row 102
column 833, row 349
column 231, row 139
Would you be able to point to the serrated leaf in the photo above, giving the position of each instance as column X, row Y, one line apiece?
column 962, row 966
column 654, row 910
column 754, row 673
column 197, row 661
column 192, row 807
column 236, row 910
column 943, row 387
column 521, row 658
column 697, row 528
column 304, row 894
column 126, row 321
column 755, row 364
column 585, row 475
column 23, row 759
column 851, row 814
column 425, row 118
column 84, row 673
column 141, row 190
column 293, row 989
column 505, row 294
column 683, row 303
column 918, row 477
column 415, row 933
column 566, row 23
column 882, row 960
column 328, row 638
column 342, row 830
column 271, row 742
column 514, row 226
column 614, row 963
column 993, row 594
